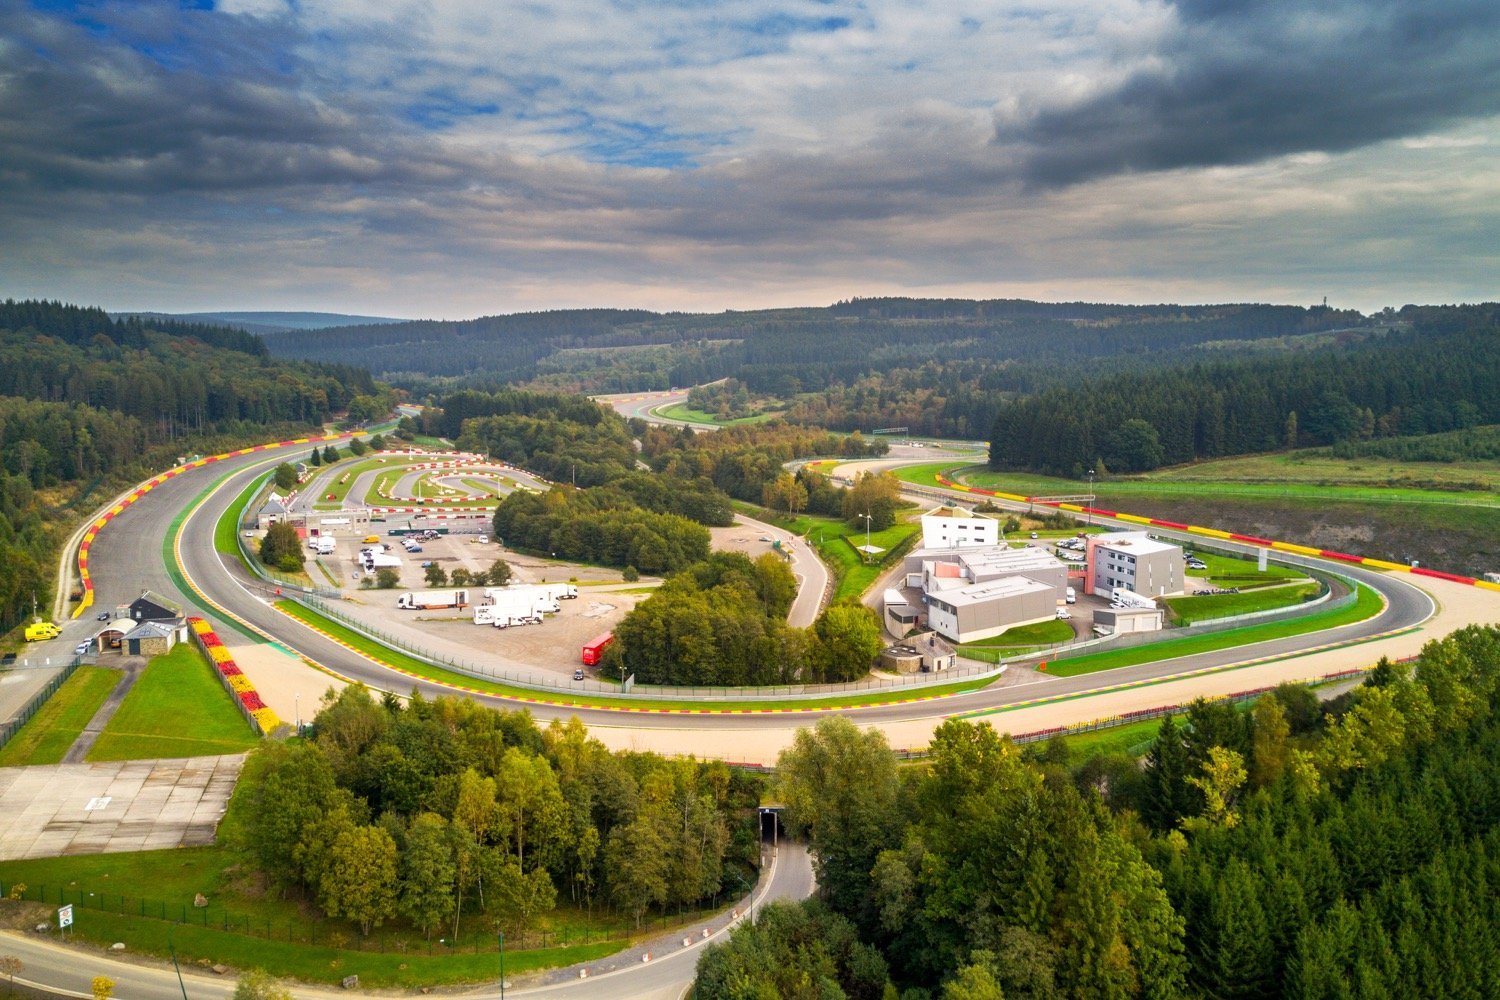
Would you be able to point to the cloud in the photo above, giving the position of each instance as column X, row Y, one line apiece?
column 472, row 157
column 1239, row 81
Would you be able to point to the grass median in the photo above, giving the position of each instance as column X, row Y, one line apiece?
column 59, row 723
column 411, row 665
column 1366, row 605
column 177, row 708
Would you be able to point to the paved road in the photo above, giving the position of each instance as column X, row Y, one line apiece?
column 640, row 404
column 68, row 971
column 230, row 587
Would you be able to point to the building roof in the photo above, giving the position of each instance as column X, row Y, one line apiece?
column 980, row 593
column 990, row 559
column 151, row 597
column 151, row 630
column 950, row 511
column 1136, row 543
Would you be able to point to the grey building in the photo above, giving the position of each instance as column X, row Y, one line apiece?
column 980, row 611
column 1134, row 562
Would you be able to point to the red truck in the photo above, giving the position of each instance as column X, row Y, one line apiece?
column 595, row 647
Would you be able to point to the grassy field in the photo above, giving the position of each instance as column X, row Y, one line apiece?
column 1225, row 571
column 1131, row 738
column 1038, row 634
column 1367, row 604
column 176, row 709
column 1191, row 609
column 49, row 734
column 401, row 661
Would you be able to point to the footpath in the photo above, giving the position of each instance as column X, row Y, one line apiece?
column 131, row 667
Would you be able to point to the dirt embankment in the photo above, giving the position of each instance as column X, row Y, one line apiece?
column 1455, row 539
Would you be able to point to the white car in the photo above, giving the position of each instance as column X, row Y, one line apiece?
column 1063, row 614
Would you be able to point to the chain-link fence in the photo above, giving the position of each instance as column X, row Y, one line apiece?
column 9, row 729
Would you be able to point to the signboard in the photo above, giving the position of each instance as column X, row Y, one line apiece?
column 65, row 916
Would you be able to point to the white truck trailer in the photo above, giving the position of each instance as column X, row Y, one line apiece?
column 544, row 595
column 379, row 560
column 509, row 609
column 426, row 600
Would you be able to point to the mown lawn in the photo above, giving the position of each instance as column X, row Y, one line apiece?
column 1191, row 609
column 1046, row 633
column 681, row 411
column 176, row 709
column 59, row 723
column 1367, row 604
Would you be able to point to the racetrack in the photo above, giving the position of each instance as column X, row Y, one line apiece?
column 130, row 554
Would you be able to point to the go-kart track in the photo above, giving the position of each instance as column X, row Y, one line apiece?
column 126, row 556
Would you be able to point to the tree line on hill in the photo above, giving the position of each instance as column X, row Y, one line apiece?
column 87, row 401
column 433, row 813
column 1342, row 849
column 722, row 622
column 1443, row 375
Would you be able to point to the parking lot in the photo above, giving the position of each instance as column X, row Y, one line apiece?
column 552, row 646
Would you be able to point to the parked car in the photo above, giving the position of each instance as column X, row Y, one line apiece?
column 102, row 616
column 1063, row 614
column 578, row 673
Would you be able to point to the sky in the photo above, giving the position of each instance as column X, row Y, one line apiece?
column 470, row 157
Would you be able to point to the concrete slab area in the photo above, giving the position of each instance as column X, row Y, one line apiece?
column 105, row 808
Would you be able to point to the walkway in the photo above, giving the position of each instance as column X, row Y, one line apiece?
column 131, row 666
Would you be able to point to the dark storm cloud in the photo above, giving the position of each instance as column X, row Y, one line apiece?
column 140, row 104
column 1240, row 82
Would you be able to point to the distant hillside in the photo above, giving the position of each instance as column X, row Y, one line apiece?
column 787, row 352
column 266, row 322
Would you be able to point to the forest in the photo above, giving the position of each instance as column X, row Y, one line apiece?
column 722, row 622
column 431, row 814
column 1348, row 847
column 953, row 357
column 1442, row 375
column 88, row 403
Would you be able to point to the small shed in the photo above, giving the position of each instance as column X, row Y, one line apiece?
column 112, row 636
column 154, row 638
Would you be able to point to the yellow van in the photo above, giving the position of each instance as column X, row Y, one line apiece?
column 38, row 631
column 371, row 539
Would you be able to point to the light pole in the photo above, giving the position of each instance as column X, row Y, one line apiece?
column 502, row 967
column 1091, row 498
column 866, row 516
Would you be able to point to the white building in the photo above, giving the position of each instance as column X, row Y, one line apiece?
column 1133, row 561
column 955, row 527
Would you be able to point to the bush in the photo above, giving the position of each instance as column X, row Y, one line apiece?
column 387, row 578
column 630, row 574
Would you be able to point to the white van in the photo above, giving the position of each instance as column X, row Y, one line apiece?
column 1071, row 595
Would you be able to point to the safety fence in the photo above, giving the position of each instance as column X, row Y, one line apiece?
column 542, row 682
column 239, row 688
column 34, row 704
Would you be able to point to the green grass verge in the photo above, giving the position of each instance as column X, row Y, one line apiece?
column 1226, row 571
column 1132, row 738
column 1367, row 604
column 1191, row 609
column 225, row 542
column 401, row 661
column 176, row 709
column 681, row 411
column 59, row 723
column 1036, row 634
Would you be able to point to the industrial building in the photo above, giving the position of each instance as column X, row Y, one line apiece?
column 975, row 592
column 981, row 611
column 1133, row 561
